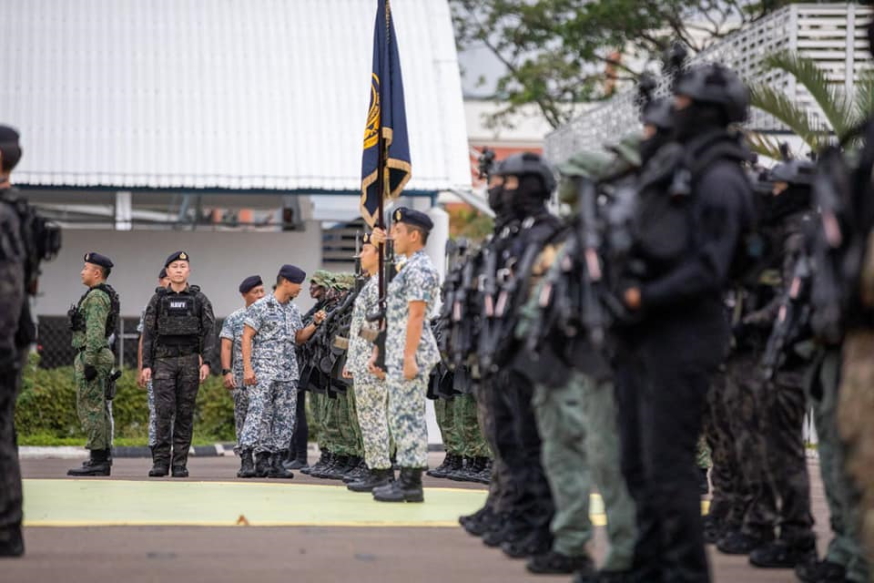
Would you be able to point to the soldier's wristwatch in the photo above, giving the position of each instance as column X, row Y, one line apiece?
column 226, row 371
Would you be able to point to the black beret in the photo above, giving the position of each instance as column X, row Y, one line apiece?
column 249, row 283
column 163, row 273
column 292, row 273
column 179, row 255
column 9, row 146
column 365, row 240
column 414, row 218
column 8, row 136
column 98, row 259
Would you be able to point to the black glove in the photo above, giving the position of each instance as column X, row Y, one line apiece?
column 90, row 372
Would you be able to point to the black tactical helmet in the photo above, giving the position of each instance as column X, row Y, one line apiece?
column 528, row 163
column 713, row 83
column 659, row 113
column 794, row 172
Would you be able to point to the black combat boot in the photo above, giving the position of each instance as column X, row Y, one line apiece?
column 179, row 472
column 782, row 554
column 336, row 470
column 329, row 466
column 824, row 571
column 478, row 523
column 407, row 488
column 536, row 543
column 604, row 576
column 739, row 543
column 11, row 541
column 262, row 464
column 159, row 470
column 484, row 476
column 357, row 472
column 277, row 469
column 554, row 563
column 463, row 473
column 451, row 463
column 96, row 465
column 474, row 469
column 373, row 479
column 247, row 464
column 320, row 463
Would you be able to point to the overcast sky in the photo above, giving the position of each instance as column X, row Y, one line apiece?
column 477, row 63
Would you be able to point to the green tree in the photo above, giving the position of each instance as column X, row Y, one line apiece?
column 841, row 113
column 559, row 54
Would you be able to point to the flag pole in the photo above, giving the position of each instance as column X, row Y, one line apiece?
column 382, row 166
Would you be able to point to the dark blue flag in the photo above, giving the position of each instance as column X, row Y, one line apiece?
column 386, row 115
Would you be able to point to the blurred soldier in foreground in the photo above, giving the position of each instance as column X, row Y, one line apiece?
column 563, row 324
column 252, row 290
column 694, row 205
column 93, row 321
column 178, row 343
column 26, row 239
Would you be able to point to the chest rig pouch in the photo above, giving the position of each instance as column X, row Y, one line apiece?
column 178, row 316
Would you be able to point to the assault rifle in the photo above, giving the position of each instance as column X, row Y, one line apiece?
column 792, row 316
column 831, row 192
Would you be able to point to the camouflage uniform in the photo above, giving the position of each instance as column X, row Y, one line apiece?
column 842, row 495
column 232, row 329
column 150, row 392
column 444, row 409
column 93, row 350
column 273, row 400
column 728, row 496
column 467, row 428
column 13, row 351
column 175, row 339
column 855, row 404
column 417, row 280
column 371, row 394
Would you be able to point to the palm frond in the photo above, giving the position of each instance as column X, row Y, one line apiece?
column 763, row 145
column 833, row 102
column 864, row 99
column 778, row 105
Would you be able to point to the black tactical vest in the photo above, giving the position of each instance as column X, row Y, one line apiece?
column 77, row 320
column 178, row 315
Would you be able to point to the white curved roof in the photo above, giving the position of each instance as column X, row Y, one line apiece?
column 221, row 94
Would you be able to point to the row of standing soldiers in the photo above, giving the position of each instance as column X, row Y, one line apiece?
column 673, row 300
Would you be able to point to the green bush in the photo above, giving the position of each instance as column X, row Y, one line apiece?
column 46, row 409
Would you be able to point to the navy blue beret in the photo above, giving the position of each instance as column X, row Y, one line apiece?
column 249, row 283
column 292, row 273
column 178, row 256
column 98, row 259
column 414, row 218
column 163, row 273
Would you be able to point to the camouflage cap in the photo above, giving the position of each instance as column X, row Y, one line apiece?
column 344, row 281
column 628, row 149
column 322, row 278
column 588, row 163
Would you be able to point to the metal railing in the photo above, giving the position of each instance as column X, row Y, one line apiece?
column 833, row 35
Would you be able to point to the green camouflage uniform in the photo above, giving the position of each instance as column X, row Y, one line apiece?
column 444, row 409
column 93, row 350
column 466, row 428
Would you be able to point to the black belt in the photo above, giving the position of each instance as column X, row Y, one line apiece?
column 174, row 351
